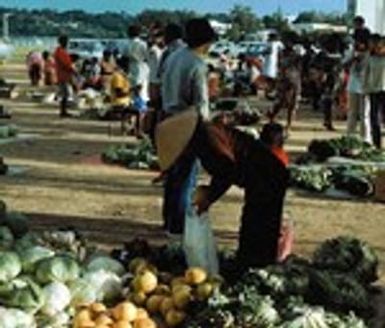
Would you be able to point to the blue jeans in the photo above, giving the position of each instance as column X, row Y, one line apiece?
column 178, row 192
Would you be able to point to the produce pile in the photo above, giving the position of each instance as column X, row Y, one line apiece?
column 357, row 180
column 141, row 156
column 56, row 280
column 351, row 147
column 8, row 131
column 312, row 172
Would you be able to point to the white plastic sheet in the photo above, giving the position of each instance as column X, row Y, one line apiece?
column 199, row 243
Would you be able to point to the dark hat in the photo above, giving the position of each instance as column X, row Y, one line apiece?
column 198, row 32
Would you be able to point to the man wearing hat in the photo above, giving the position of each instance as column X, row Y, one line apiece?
column 231, row 157
column 184, row 84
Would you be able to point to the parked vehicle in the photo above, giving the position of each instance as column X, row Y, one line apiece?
column 86, row 48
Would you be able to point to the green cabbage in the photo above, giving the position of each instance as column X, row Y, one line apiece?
column 107, row 264
column 30, row 257
column 23, row 293
column 83, row 292
column 58, row 268
column 10, row 266
column 14, row 318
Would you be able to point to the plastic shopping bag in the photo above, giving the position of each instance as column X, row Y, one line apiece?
column 199, row 243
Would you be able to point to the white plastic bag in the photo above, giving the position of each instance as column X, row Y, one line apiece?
column 199, row 243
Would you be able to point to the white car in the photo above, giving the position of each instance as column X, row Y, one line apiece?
column 86, row 48
column 222, row 46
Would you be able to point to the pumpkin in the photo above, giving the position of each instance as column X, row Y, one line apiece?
column 137, row 264
column 181, row 298
column 122, row 324
column 166, row 305
column 195, row 276
column 125, row 311
column 145, row 282
column 175, row 318
column 153, row 303
column 97, row 308
column 204, row 291
column 144, row 323
column 103, row 319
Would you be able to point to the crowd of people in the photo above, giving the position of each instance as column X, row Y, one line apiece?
column 168, row 86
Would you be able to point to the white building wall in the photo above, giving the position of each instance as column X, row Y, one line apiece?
column 374, row 13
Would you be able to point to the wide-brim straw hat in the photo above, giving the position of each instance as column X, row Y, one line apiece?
column 173, row 135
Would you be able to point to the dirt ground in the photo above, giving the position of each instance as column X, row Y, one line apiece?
column 62, row 186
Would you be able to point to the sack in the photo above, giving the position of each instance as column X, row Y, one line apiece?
column 199, row 243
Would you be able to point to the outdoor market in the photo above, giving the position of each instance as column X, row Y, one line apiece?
column 198, row 166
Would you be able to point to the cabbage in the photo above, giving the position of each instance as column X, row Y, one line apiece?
column 308, row 317
column 24, row 294
column 14, row 318
column 96, row 286
column 10, row 266
column 57, row 297
column 107, row 264
column 59, row 268
column 83, row 292
column 6, row 238
column 30, row 257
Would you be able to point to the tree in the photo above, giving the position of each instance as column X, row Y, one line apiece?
column 243, row 21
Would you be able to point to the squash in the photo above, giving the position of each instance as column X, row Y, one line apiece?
column 153, row 303
column 142, row 314
column 178, row 281
column 204, row 291
column 125, row 311
column 162, row 290
column 166, row 305
column 181, row 287
column 97, row 308
column 144, row 323
column 146, row 282
column 139, row 298
column 175, row 318
column 195, row 276
column 181, row 298
column 83, row 319
column 136, row 264
column 103, row 319
column 122, row 324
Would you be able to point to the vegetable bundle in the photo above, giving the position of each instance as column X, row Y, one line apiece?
column 141, row 156
column 8, row 131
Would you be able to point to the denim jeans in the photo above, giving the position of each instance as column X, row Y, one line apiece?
column 178, row 192
column 377, row 109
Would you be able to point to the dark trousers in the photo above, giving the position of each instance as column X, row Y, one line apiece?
column 377, row 110
column 327, row 107
column 178, row 193
column 265, row 188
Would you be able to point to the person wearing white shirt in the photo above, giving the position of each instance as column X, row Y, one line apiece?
column 359, row 104
column 137, row 53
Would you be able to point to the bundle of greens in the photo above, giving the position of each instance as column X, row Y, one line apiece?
column 8, row 131
column 141, row 156
column 347, row 146
column 312, row 178
column 348, row 255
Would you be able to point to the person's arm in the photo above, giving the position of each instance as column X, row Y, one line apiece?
column 200, row 93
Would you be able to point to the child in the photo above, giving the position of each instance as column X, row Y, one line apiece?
column 139, row 105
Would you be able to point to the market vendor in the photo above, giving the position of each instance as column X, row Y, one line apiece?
column 232, row 157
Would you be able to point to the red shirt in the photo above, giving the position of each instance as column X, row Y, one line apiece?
column 64, row 68
column 281, row 155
